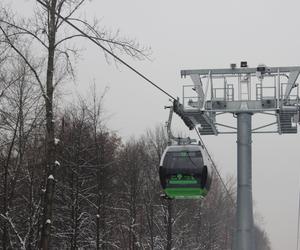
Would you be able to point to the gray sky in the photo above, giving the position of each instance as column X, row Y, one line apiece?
column 202, row 34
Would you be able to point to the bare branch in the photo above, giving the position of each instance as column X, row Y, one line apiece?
column 13, row 226
column 70, row 14
column 25, row 31
column 25, row 60
column 130, row 47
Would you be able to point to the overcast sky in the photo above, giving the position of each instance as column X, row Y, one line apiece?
column 193, row 35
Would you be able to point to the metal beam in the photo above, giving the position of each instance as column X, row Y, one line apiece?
column 264, row 126
column 291, row 83
column 236, row 71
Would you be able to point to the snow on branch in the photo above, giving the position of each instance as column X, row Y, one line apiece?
column 56, row 141
column 50, row 177
column 13, row 226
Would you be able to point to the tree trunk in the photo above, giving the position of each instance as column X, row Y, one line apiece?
column 50, row 147
column 169, row 225
column 5, row 236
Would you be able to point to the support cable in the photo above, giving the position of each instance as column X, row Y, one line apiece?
column 215, row 168
column 109, row 52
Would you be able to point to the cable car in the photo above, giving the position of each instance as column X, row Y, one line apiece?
column 185, row 172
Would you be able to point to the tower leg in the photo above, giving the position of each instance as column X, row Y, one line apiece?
column 244, row 235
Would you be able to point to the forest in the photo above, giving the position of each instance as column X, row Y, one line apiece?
column 66, row 180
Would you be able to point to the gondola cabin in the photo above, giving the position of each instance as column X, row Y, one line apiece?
column 185, row 172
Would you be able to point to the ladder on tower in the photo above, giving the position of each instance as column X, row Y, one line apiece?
column 244, row 88
column 207, row 127
column 286, row 125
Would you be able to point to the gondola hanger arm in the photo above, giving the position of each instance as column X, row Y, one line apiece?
column 179, row 140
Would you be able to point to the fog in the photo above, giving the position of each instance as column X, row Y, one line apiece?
column 195, row 35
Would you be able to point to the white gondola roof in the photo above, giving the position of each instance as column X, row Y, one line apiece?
column 189, row 147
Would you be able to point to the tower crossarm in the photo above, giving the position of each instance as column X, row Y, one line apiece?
column 233, row 90
column 234, row 71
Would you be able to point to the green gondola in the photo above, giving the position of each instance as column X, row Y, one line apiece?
column 183, row 172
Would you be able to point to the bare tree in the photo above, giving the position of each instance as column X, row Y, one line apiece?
column 20, row 114
column 47, row 31
column 261, row 239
